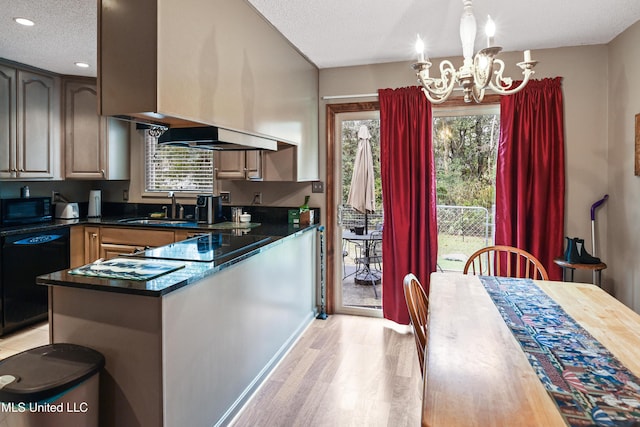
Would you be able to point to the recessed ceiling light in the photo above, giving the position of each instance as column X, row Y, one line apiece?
column 24, row 21
column 81, row 64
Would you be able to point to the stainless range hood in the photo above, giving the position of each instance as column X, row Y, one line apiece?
column 213, row 138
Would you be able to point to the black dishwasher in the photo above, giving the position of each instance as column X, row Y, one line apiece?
column 25, row 256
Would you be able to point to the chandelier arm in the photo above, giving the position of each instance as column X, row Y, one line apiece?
column 503, row 85
column 437, row 90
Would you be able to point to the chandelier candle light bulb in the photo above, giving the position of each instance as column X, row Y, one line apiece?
column 490, row 31
column 420, row 48
column 477, row 73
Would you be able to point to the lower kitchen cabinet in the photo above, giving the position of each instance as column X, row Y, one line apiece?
column 89, row 243
column 115, row 241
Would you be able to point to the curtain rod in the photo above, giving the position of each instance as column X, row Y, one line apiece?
column 362, row 95
column 372, row 95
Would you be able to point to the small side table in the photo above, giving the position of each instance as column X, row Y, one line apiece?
column 596, row 268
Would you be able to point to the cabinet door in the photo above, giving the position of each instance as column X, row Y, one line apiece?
column 8, row 166
column 280, row 165
column 253, row 164
column 38, row 139
column 115, row 146
column 91, row 244
column 230, row 165
column 239, row 165
column 83, row 153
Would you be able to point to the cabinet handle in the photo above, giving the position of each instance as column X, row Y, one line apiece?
column 94, row 236
column 104, row 175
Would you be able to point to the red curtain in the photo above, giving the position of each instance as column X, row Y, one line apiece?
column 410, row 237
column 530, row 172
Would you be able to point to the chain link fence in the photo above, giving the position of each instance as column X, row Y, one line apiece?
column 350, row 218
column 462, row 230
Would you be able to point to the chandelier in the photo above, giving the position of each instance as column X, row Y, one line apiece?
column 477, row 73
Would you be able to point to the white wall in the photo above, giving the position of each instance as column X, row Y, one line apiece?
column 623, row 186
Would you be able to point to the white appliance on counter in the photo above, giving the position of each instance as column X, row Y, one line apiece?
column 95, row 204
column 67, row 211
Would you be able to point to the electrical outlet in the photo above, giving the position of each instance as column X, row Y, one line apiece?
column 54, row 196
column 225, row 196
column 257, row 198
column 125, row 195
column 317, row 187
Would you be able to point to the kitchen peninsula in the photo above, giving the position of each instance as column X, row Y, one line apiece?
column 190, row 346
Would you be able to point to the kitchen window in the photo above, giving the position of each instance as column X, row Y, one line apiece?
column 169, row 168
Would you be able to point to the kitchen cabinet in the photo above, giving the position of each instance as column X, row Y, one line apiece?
column 76, row 246
column 30, row 145
column 239, row 165
column 250, row 80
column 256, row 165
column 115, row 241
column 96, row 147
column 281, row 165
column 91, row 244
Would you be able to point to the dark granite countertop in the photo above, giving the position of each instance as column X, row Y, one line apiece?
column 264, row 228
column 263, row 237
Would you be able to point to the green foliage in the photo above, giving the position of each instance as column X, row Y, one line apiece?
column 465, row 149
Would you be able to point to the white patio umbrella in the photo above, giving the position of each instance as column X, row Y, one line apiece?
column 362, row 190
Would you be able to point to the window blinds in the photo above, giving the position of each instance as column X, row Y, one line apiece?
column 170, row 168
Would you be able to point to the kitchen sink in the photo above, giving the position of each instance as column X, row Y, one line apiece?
column 155, row 221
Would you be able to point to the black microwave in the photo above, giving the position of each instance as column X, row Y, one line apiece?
column 27, row 210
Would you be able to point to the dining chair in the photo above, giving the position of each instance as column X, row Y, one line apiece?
column 418, row 306
column 501, row 260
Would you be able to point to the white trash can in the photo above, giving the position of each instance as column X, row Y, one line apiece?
column 50, row 386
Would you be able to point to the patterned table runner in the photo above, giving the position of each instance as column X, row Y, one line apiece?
column 590, row 386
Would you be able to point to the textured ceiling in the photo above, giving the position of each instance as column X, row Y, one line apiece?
column 335, row 33
column 65, row 32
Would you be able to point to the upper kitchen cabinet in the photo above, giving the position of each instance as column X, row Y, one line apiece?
column 257, row 165
column 213, row 62
column 29, row 124
column 238, row 165
column 96, row 147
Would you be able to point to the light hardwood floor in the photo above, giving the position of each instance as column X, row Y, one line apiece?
column 344, row 371
column 30, row 337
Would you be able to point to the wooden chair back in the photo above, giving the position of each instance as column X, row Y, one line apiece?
column 418, row 305
column 505, row 261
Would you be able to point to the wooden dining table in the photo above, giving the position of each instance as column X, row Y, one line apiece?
column 476, row 372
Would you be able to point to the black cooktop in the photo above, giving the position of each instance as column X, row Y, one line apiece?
column 207, row 247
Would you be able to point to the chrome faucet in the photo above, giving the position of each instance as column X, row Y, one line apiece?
column 173, row 204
